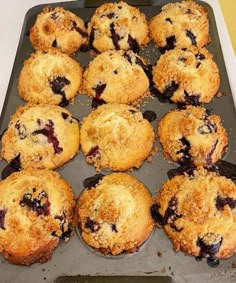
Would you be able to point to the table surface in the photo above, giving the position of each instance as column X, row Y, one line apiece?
column 13, row 12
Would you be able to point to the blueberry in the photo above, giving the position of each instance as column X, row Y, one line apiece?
column 157, row 217
column 191, row 99
column 97, row 102
column 48, row 131
column 111, row 15
column 64, row 115
column 208, row 249
column 169, row 20
column 91, row 182
column 170, row 89
column 54, row 16
column 221, row 202
column 2, row 218
column 149, row 115
column 188, row 169
column 227, row 169
column 170, row 44
column 213, row 262
column 94, row 151
column 191, row 36
column 92, row 225
column 54, row 44
column 79, row 30
column 58, row 83
column 209, row 155
column 185, row 157
column 114, row 36
column 100, row 87
column 113, row 228
column 133, row 44
column 22, row 132
column 38, row 205
column 13, row 166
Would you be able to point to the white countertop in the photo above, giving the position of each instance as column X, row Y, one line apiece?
column 12, row 15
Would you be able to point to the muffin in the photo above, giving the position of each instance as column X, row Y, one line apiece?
column 50, row 77
column 60, row 29
column 181, row 24
column 40, row 136
column 114, row 215
column 117, row 137
column 192, row 135
column 178, row 76
column 116, row 77
column 118, row 26
column 197, row 212
column 36, row 211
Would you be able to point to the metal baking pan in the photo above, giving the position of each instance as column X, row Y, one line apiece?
column 156, row 259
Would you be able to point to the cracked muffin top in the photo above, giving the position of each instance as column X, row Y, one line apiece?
column 117, row 137
column 36, row 211
column 118, row 26
column 198, row 213
column 181, row 24
column 116, row 77
column 192, row 135
column 40, row 136
column 187, row 76
column 114, row 215
column 50, row 77
column 60, row 29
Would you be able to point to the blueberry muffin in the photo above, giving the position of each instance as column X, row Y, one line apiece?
column 117, row 137
column 198, row 214
column 40, row 136
column 60, row 29
column 50, row 77
column 36, row 211
column 116, row 76
column 118, row 26
column 181, row 24
column 114, row 216
column 192, row 135
column 178, row 76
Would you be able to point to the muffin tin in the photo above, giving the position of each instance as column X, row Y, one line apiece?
column 156, row 258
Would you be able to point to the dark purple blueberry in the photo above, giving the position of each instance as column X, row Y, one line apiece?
column 54, row 44
column 227, row 169
column 132, row 111
column 13, row 166
column 188, row 169
column 119, row 7
column 208, row 250
column 149, row 115
column 198, row 65
column 221, row 202
column 64, row 115
column 54, row 16
column 58, row 83
column 170, row 44
column 114, row 36
column 170, row 89
column 133, row 44
column 79, row 30
column 92, row 225
column 38, row 205
column 157, row 217
column 94, row 151
column 66, row 232
column 209, row 155
column 127, row 57
column 208, row 128
column 21, row 130
column 91, row 182
column 91, row 36
column 173, row 226
column 185, row 157
column 115, row 72
column 191, row 99
column 113, row 228
column 48, row 131
column 111, row 15
column 213, row 262
column 169, row 20
column 191, row 36
column 182, row 59
column 2, row 218
column 99, row 89
column 200, row 56
column 64, row 102
column 171, row 212
column 97, row 102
